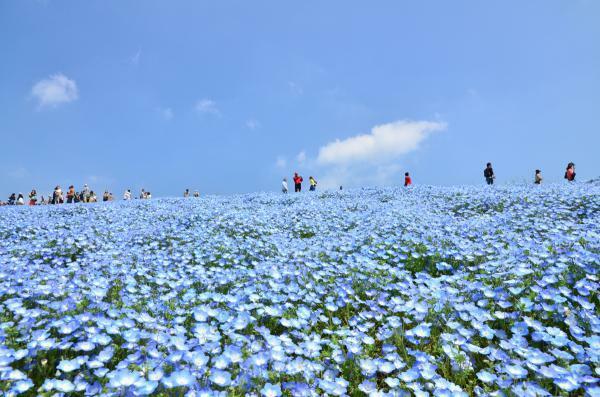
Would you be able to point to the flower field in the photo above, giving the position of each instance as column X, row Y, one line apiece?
column 424, row 291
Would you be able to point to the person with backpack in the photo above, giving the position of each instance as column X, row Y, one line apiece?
column 570, row 172
column 313, row 184
column 489, row 175
column 407, row 180
column 297, row 183
column 538, row 177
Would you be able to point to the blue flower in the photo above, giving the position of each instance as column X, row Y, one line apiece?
column 220, row 378
column 270, row 390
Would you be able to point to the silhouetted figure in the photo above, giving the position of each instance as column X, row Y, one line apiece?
column 489, row 175
column 538, row 177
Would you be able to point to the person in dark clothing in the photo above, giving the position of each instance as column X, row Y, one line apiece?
column 12, row 199
column 538, row 177
column 297, row 182
column 570, row 172
column 488, row 173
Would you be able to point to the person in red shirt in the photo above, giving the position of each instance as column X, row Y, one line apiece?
column 407, row 180
column 570, row 173
column 297, row 182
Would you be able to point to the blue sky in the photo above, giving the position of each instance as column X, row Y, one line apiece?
column 231, row 96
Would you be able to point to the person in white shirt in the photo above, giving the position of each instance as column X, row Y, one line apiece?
column 284, row 185
column 127, row 195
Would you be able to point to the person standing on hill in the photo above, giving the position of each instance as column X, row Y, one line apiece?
column 570, row 172
column 33, row 197
column 57, row 196
column 489, row 175
column 71, row 194
column 86, row 193
column 407, row 180
column 538, row 177
column 313, row 184
column 186, row 194
column 127, row 195
column 297, row 182
column 20, row 199
column 284, row 185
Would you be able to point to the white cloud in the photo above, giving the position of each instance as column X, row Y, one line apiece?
column 252, row 124
column 281, row 162
column 301, row 157
column 55, row 90
column 166, row 113
column 295, row 88
column 17, row 172
column 385, row 142
column 207, row 106
column 372, row 159
column 135, row 58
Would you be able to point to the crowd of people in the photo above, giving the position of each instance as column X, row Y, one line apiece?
column 86, row 195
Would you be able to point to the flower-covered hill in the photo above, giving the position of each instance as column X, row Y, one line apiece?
column 441, row 291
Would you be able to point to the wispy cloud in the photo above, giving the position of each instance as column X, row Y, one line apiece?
column 135, row 58
column 166, row 113
column 252, row 124
column 281, row 162
column 17, row 172
column 55, row 90
column 295, row 88
column 301, row 157
column 207, row 106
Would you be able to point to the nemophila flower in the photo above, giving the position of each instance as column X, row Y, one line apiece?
column 179, row 378
column 516, row 371
column 368, row 387
column 63, row 386
column 69, row 365
column 270, row 390
column 21, row 386
column 123, row 378
column 486, row 377
column 220, row 378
